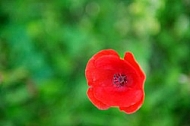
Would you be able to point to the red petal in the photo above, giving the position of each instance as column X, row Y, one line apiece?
column 108, row 66
column 91, row 71
column 118, row 96
column 96, row 102
column 133, row 108
column 130, row 59
column 106, row 52
column 110, row 63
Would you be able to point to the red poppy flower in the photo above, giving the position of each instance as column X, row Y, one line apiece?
column 115, row 82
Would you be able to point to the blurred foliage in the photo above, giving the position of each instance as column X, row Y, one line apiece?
column 45, row 45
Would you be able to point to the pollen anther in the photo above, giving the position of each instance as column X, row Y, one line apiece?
column 119, row 80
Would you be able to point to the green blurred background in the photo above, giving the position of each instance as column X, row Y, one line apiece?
column 45, row 45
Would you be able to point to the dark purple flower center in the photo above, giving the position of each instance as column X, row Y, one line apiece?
column 119, row 80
